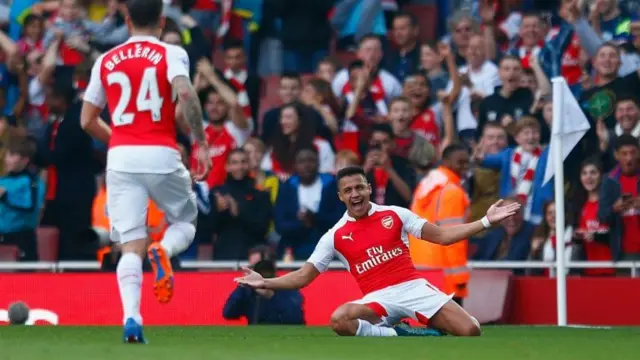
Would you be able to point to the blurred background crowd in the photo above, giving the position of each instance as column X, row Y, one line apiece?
column 421, row 93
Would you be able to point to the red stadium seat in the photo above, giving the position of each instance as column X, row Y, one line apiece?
column 489, row 295
column 9, row 253
column 48, row 240
column 307, row 77
column 427, row 17
column 345, row 57
column 205, row 252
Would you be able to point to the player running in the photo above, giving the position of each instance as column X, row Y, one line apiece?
column 372, row 242
column 140, row 81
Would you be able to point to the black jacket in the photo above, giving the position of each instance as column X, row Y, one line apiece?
column 73, row 157
column 236, row 235
column 391, row 195
column 305, row 24
column 495, row 106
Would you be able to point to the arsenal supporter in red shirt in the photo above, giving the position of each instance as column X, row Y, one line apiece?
column 227, row 126
column 372, row 241
column 594, row 234
column 620, row 196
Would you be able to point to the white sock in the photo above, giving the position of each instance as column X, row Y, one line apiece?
column 366, row 328
column 177, row 238
column 129, row 273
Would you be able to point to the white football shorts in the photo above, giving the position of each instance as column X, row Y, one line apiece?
column 416, row 299
column 128, row 197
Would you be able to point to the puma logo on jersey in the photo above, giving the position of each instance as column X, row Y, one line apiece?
column 349, row 237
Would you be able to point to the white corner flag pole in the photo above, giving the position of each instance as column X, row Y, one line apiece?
column 561, row 274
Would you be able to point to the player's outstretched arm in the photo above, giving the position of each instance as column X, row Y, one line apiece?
column 453, row 234
column 291, row 281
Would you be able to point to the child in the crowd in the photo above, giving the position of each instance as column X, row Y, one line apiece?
column 431, row 63
column 522, row 169
column 21, row 197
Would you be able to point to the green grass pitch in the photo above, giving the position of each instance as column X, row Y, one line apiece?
column 300, row 343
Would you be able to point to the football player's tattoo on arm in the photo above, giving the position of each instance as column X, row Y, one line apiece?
column 190, row 105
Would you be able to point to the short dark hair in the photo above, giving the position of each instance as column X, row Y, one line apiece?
column 609, row 44
column 405, row 14
column 626, row 140
column 203, row 95
column 370, row 36
column 454, row 148
column 627, row 97
column 307, row 147
column 291, row 75
column 145, row 13
column 30, row 19
column 350, row 171
column 266, row 268
column 356, row 64
column 383, row 128
column 235, row 151
column 528, row 71
column 509, row 57
column 25, row 146
column 233, row 44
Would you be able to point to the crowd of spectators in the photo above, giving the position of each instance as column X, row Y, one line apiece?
column 292, row 91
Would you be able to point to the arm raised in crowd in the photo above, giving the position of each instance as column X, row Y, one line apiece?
column 228, row 95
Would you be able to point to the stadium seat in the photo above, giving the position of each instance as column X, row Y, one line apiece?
column 48, row 239
column 9, row 253
column 307, row 77
column 345, row 57
column 489, row 295
column 427, row 15
column 205, row 252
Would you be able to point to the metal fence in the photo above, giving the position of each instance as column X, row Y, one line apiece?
column 236, row 265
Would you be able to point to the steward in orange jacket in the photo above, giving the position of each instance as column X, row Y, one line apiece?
column 440, row 199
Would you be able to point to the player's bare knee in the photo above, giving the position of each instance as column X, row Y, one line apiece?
column 138, row 247
column 343, row 326
column 470, row 328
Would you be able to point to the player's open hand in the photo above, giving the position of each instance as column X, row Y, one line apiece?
column 497, row 212
column 251, row 279
column 204, row 164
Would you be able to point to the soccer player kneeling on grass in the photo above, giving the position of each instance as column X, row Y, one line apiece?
column 372, row 241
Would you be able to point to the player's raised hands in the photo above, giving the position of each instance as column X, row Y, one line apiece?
column 497, row 212
column 251, row 279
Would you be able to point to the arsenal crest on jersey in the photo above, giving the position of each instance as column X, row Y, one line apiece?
column 387, row 222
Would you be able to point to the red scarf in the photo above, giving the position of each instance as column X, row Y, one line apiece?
column 382, row 179
column 225, row 22
column 377, row 93
column 523, row 188
column 237, row 80
column 524, row 54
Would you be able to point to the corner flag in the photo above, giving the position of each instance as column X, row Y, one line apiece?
column 569, row 128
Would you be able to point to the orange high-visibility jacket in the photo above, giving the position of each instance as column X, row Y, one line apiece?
column 440, row 199
column 155, row 219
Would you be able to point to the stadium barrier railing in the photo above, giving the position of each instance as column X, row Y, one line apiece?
column 236, row 265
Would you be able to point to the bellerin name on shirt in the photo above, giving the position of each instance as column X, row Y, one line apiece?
column 139, row 52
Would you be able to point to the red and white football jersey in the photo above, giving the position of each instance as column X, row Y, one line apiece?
column 375, row 248
column 134, row 80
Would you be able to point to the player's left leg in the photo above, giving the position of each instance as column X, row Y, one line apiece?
column 353, row 319
column 174, row 195
column 454, row 320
